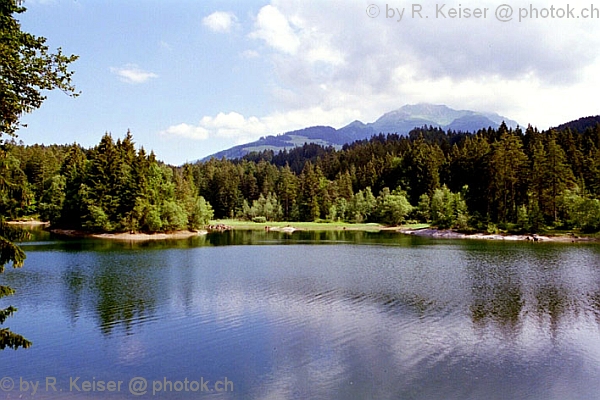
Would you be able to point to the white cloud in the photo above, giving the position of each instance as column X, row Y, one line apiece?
column 274, row 28
column 239, row 129
column 131, row 73
column 332, row 64
column 220, row 21
column 331, row 55
column 186, row 131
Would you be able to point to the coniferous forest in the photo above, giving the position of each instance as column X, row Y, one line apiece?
column 508, row 179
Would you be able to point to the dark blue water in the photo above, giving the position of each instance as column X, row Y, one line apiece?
column 344, row 315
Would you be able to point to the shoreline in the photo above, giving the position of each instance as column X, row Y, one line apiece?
column 126, row 236
column 29, row 222
column 290, row 227
column 450, row 234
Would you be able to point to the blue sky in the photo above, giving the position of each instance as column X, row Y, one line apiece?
column 190, row 78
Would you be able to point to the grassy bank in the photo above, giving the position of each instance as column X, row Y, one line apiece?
column 311, row 226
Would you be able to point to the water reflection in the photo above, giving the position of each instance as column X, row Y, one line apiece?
column 342, row 315
column 556, row 285
column 124, row 283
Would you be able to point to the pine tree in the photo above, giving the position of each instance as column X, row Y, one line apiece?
column 468, row 167
column 507, row 162
column 126, row 184
column 560, row 175
column 309, row 190
column 287, row 188
column 422, row 164
column 74, row 170
column 538, row 174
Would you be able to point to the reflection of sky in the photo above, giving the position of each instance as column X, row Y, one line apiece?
column 324, row 322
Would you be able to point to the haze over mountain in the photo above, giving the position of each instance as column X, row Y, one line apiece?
column 400, row 121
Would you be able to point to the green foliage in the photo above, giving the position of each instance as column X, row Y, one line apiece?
column 423, row 162
column 151, row 220
column 362, row 207
column 173, row 216
column 265, row 207
column 309, row 195
column 16, row 197
column 10, row 253
column 449, row 210
column 53, row 199
column 523, row 222
column 392, row 208
column 507, row 165
column 28, row 67
column 514, row 180
column 12, row 340
column 113, row 188
column 201, row 214
column 580, row 212
column 97, row 220
column 423, row 209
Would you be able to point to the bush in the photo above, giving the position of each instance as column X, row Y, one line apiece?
column 97, row 220
column 392, row 208
column 152, row 221
column 448, row 210
column 201, row 214
column 173, row 216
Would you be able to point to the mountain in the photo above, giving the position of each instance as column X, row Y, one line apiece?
column 580, row 125
column 400, row 121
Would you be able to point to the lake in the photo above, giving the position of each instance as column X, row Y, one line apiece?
column 329, row 315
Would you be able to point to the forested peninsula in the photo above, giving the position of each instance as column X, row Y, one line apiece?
column 512, row 180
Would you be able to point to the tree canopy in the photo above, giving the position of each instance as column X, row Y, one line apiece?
column 27, row 67
column 502, row 178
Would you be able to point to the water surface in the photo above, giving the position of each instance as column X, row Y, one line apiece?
column 331, row 315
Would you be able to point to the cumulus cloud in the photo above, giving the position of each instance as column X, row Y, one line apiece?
column 131, row 73
column 332, row 55
column 220, row 21
column 241, row 129
column 274, row 28
column 186, row 131
column 332, row 63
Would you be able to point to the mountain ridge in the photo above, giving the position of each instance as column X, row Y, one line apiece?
column 400, row 121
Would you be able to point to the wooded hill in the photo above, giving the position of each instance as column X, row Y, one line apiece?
column 492, row 179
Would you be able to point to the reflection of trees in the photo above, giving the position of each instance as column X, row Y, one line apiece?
column 123, row 298
column 552, row 300
column 497, row 295
column 500, row 300
column 253, row 237
column 75, row 282
column 120, row 291
column 535, row 282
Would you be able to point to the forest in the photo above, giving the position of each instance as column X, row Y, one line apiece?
column 495, row 179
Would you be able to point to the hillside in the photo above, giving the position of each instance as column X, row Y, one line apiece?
column 580, row 125
column 400, row 121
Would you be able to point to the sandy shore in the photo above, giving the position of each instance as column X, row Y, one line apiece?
column 128, row 236
column 449, row 234
column 29, row 223
column 286, row 229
